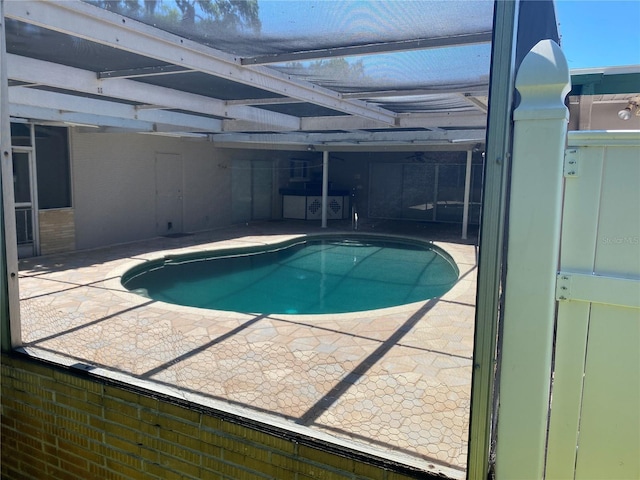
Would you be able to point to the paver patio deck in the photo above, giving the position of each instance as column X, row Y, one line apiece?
column 396, row 379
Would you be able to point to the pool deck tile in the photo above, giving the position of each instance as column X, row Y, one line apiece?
column 395, row 379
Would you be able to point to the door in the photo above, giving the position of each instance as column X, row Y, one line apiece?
column 385, row 190
column 251, row 190
column 241, row 191
column 261, row 186
column 418, row 193
column 169, row 194
column 23, row 183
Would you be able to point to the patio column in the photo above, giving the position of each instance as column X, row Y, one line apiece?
column 325, row 187
column 467, row 191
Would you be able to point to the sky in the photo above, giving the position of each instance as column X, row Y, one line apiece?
column 599, row 33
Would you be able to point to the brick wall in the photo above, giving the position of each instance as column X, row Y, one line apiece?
column 61, row 424
column 57, row 230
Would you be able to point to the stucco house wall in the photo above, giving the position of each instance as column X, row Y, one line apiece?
column 114, row 181
column 114, row 186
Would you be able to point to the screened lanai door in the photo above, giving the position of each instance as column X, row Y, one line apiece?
column 23, row 183
column 424, row 191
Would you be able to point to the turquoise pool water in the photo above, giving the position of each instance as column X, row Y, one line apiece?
column 312, row 276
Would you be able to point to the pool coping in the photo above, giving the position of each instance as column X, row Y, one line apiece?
column 113, row 278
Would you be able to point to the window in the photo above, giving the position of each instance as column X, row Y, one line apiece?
column 20, row 135
column 298, row 170
column 53, row 167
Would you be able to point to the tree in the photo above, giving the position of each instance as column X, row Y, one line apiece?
column 338, row 68
column 150, row 7
column 225, row 14
column 332, row 72
column 124, row 7
column 229, row 14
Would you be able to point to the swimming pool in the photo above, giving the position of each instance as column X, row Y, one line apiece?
column 313, row 275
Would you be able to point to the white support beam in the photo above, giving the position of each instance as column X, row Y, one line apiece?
column 479, row 90
column 70, row 103
column 441, row 120
column 476, row 91
column 144, row 72
column 467, row 195
column 357, row 138
column 476, row 102
column 85, row 21
column 325, row 187
column 345, row 148
column 265, row 101
column 46, row 73
column 409, row 120
column 339, row 123
column 350, row 123
column 246, row 126
column 151, row 107
column 54, row 115
column 10, row 327
column 585, row 103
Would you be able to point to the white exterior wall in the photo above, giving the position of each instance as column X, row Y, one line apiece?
column 114, row 186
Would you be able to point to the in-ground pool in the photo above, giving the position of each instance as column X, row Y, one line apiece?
column 314, row 275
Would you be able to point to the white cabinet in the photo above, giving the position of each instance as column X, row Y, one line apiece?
column 309, row 207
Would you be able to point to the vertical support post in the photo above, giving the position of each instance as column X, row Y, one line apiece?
column 533, row 244
column 9, row 296
column 490, row 258
column 325, row 187
column 467, row 194
column 436, row 177
column 585, row 106
column 34, row 192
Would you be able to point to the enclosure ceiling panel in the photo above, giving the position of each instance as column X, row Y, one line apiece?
column 292, row 26
column 302, row 110
column 207, row 85
column 85, row 21
column 32, row 41
column 269, row 65
column 427, row 103
column 465, row 67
